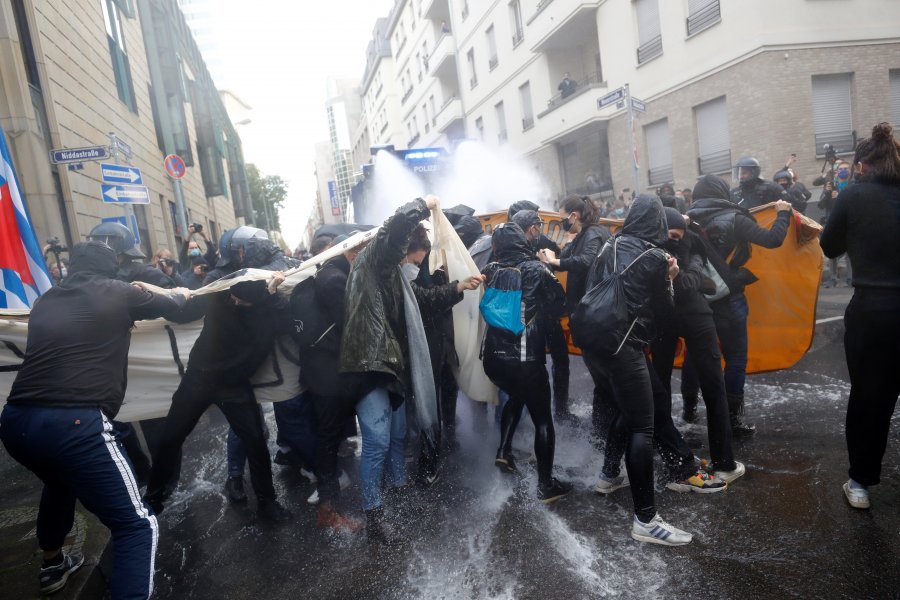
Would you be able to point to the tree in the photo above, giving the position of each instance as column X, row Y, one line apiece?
column 268, row 193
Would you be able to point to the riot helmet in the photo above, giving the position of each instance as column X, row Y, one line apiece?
column 783, row 175
column 748, row 163
column 234, row 240
column 118, row 237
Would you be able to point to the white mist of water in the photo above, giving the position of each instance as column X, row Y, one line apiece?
column 393, row 185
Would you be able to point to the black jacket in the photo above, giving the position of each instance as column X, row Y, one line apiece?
column 647, row 291
column 757, row 192
column 543, row 301
column 865, row 223
column 576, row 260
column 133, row 270
column 689, row 282
column 78, row 339
column 319, row 365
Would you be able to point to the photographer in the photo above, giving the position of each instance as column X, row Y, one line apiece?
column 165, row 263
column 194, row 276
column 56, row 266
column 191, row 249
column 834, row 181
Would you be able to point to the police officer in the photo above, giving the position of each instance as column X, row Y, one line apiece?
column 752, row 190
column 58, row 417
column 798, row 195
column 119, row 238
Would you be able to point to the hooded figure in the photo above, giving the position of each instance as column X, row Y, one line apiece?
column 468, row 228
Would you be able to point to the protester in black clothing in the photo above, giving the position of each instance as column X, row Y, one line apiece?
column 647, row 292
column 515, row 363
column 579, row 217
column 732, row 230
column 797, row 193
column 752, row 190
column 57, row 420
column 865, row 223
column 693, row 321
column 128, row 255
column 238, row 332
column 469, row 230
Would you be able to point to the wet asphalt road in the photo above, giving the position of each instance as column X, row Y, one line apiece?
column 783, row 530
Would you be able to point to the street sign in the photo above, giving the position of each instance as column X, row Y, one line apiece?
column 125, row 194
column 122, row 147
column 120, row 174
column 175, row 166
column 638, row 105
column 613, row 96
column 63, row 156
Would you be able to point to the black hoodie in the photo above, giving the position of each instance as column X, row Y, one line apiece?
column 79, row 333
column 542, row 297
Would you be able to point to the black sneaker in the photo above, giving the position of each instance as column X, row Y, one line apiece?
column 506, row 463
column 272, row 510
column 287, row 459
column 234, row 490
column 554, row 491
column 52, row 579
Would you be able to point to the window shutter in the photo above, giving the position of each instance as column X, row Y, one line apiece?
column 659, row 151
column 895, row 98
column 831, row 112
column 712, row 136
column 648, row 20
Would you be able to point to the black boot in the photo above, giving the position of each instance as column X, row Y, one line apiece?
column 272, row 510
column 561, row 399
column 739, row 426
column 378, row 531
column 234, row 490
column 689, row 408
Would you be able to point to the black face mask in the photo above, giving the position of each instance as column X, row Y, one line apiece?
column 567, row 225
column 672, row 246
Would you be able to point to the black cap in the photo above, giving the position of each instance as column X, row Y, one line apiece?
column 526, row 219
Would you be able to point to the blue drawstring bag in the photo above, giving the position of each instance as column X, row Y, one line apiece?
column 501, row 305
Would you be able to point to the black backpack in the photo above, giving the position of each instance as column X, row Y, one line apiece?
column 600, row 322
column 312, row 325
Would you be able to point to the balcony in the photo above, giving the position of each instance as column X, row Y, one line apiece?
column 450, row 113
column 578, row 110
column 436, row 9
column 442, row 61
column 571, row 23
column 591, row 82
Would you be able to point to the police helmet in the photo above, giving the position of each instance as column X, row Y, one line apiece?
column 118, row 237
column 747, row 162
column 783, row 174
column 236, row 238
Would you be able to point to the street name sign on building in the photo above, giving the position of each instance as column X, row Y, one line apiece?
column 122, row 147
column 174, row 166
column 612, row 97
column 125, row 194
column 120, row 174
column 64, row 156
column 638, row 105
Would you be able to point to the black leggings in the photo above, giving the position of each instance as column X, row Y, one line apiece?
column 632, row 391
column 559, row 352
column 527, row 385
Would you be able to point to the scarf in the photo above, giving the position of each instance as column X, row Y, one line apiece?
column 420, row 373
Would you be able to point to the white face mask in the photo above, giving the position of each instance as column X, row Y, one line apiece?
column 410, row 271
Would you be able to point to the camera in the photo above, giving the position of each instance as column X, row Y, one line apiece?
column 55, row 246
column 830, row 153
column 197, row 227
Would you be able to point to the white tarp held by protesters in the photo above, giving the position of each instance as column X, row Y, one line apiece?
column 160, row 349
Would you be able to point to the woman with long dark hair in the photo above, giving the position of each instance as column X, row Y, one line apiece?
column 865, row 223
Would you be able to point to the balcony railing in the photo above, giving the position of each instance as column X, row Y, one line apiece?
column 527, row 123
column 704, row 18
column 517, row 37
column 473, row 82
column 413, row 140
column 650, row 50
column 540, row 7
column 406, row 95
column 492, row 63
column 660, row 175
column 591, row 81
column 716, row 162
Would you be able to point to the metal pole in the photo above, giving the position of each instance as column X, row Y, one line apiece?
column 179, row 209
column 634, row 164
column 114, row 150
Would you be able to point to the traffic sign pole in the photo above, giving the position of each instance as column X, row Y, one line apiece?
column 114, row 149
column 631, row 141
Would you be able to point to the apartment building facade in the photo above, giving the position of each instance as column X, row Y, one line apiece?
column 719, row 79
column 73, row 73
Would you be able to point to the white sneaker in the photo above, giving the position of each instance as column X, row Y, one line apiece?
column 608, row 486
column 313, row 498
column 857, row 497
column 658, row 531
column 343, row 481
column 729, row 476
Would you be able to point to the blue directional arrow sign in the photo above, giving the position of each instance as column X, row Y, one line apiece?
column 120, row 174
column 611, row 98
column 125, row 194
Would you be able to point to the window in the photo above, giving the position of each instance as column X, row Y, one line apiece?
column 713, row 139
column 501, row 122
column 702, row 14
column 479, row 127
column 493, row 61
column 515, row 22
column 659, row 152
column 118, row 53
column 473, row 77
column 527, row 109
column 433, row 110
column 895, row 98
column 831, row 112
column 649, row 36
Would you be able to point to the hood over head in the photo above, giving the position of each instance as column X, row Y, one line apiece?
column 520, row 205
column 468, row 228
column 646, row 220
column 510, row 245
column 674, row 219
column 93, row 258
column 255, row 292
column 711, row 186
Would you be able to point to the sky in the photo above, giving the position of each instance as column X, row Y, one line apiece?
column 277, row 56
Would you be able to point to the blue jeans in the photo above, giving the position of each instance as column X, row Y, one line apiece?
column 730, row 315
column 234, row 449
column 383, row 440
column 76, row 454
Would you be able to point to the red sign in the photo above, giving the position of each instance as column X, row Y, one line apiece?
column 174, row 166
